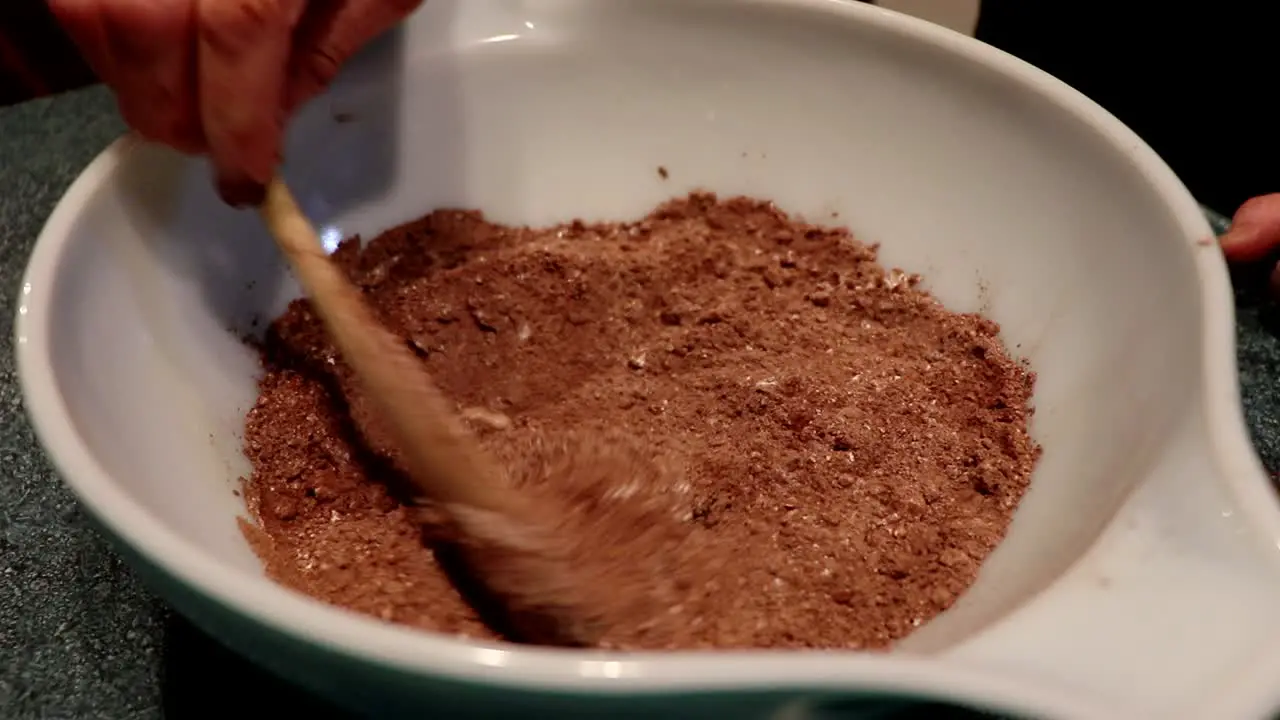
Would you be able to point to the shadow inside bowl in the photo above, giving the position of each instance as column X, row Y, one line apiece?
column 202, row 678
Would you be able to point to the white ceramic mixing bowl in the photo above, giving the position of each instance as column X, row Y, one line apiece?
column 1141, row 571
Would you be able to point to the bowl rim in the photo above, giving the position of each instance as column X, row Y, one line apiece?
column 420, row 653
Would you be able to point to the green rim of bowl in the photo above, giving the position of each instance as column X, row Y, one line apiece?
column 1219, row 222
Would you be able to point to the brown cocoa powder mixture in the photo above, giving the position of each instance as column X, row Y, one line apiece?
column 786, row 445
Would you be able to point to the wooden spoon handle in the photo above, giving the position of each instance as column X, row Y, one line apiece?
column 443, row 459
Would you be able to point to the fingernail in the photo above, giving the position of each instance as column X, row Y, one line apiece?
column 240, row 192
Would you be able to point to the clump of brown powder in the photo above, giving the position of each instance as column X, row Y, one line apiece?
column 807, row 450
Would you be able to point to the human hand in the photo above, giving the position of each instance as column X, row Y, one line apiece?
column 1255, row 234
column 222, row 77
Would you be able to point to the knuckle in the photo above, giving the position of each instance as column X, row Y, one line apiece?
column 146, row 26
column 239, row 23
column 235, row 17
column 322, row 62
column 322, row 65
column 403, row 7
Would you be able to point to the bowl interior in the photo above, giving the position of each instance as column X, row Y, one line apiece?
column 959, row 163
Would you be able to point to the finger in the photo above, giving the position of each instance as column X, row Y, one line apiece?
column 332, row 32
column 243, row 50
column 152, row 47
column 1255, row 230
column 81, row 20
column 239, row 190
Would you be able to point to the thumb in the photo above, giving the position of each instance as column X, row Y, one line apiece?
column 1255, row 230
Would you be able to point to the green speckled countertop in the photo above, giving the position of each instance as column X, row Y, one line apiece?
column 79, row 637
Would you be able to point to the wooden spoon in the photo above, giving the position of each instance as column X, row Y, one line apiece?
column 505, row 538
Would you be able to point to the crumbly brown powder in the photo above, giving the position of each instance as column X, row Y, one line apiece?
column 818, row 453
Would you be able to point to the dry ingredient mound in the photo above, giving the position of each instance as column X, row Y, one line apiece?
column 807, row 451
